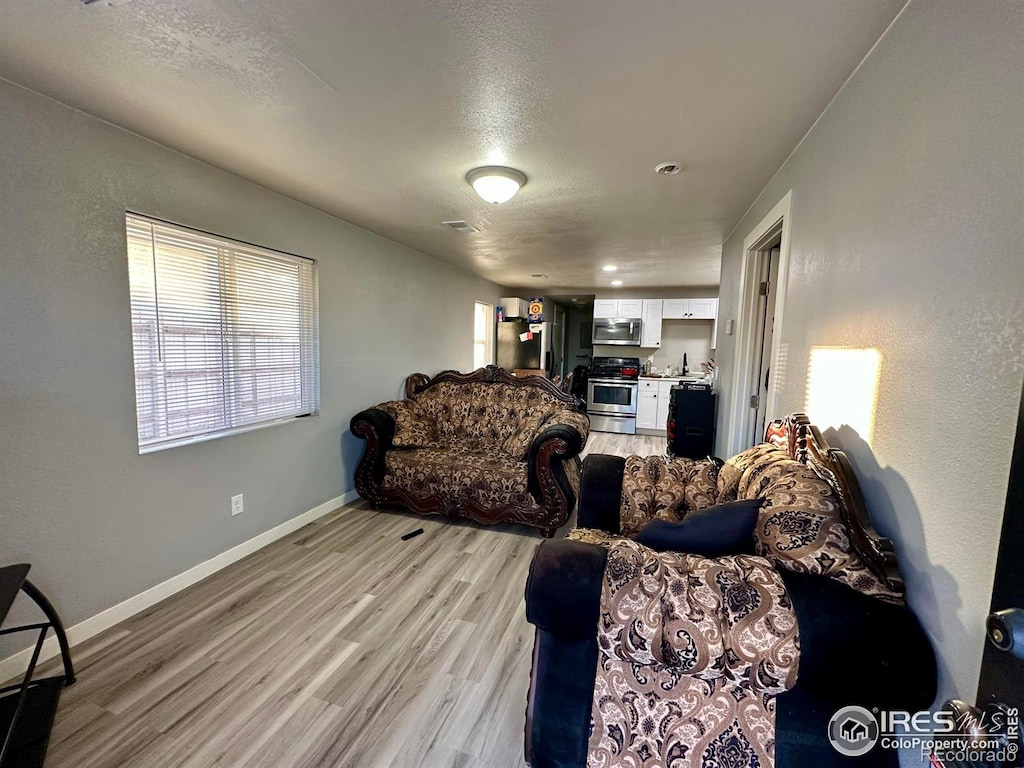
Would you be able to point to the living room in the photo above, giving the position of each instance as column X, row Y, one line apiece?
column 905, row 238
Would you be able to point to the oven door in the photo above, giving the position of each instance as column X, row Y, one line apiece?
column 611, row 396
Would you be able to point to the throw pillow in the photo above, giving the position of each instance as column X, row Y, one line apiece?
column 725, row 529
column 412, row 430
column 517, row 445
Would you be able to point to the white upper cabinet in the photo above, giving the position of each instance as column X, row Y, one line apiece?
column 628, row 308
column 703, row 309
column 675, row 309
column 606, row 308
column 690, row 309
column 650, row 335
column 631, row 307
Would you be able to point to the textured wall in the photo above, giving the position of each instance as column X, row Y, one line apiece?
column 907, row 238
column 98, row 521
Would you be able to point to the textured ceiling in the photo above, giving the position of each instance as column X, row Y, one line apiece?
column 374, row 110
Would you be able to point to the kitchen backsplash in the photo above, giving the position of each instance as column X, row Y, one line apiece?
column 677, row 337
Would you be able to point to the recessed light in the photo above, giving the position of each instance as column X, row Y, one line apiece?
column 609, row 267
column 616, row 282
column 668, row 169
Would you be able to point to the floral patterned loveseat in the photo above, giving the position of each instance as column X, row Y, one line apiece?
column 485, row 445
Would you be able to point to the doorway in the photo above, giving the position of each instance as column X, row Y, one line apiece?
column 558, row 342
column 763, row 273
column 765, row 316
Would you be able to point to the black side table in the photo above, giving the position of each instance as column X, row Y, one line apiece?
column 27, row 708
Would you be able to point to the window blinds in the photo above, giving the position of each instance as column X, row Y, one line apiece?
column 224, row 334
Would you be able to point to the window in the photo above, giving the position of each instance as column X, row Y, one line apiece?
column 224, row 334
column 483, row 332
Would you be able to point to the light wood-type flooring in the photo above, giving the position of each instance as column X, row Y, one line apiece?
column 338, row 645
column 624, row 445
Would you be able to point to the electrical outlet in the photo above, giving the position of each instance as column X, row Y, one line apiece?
column 237, row 505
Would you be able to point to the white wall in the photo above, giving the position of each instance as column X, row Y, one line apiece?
column 907, row 238
column 99, row 522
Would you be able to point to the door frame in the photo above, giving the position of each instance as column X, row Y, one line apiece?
column 778, row 220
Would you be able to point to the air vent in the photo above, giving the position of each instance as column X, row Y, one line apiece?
column 111, row 3
column 461, row 226
column 542, row 277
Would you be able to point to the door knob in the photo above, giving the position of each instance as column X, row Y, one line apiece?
column 1005, row 631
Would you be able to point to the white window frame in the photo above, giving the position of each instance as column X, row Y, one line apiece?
column 225, row 334
column 487, row 340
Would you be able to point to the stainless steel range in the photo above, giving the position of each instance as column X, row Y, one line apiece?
column 612, row 392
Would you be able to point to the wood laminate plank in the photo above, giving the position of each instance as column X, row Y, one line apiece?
column 338, row 645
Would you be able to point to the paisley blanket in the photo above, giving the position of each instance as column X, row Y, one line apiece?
column 692, row 652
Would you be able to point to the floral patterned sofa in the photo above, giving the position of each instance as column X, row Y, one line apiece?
column 647, row 658
column 485, row 445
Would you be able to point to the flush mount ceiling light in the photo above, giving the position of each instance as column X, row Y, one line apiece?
column 495, row 183
column 609, row 267
column 616, row 282
column 668, row 169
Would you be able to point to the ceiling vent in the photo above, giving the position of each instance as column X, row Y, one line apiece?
column 111, row 3
column 461, row 226
column 542, row 277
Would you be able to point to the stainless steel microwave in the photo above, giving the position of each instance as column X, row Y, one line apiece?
column 622, row 331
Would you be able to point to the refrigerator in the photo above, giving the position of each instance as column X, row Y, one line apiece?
column 513, row 353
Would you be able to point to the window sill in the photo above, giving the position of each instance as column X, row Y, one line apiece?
column 207, row 436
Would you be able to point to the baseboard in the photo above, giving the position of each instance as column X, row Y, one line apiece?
column 15, row 665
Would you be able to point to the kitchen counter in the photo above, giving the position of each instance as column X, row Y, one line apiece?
column 671, row 378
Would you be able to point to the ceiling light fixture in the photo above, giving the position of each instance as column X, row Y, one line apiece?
column 609, row 267
column 495, row 183
column 616, row 282
column 668, row 169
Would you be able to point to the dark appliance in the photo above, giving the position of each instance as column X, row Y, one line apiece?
column 624, row 331
column 612, row 391
column 691, row 420
column 512, row 353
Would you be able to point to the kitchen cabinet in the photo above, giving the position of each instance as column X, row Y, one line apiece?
column 690, row 309
column 647, row 409
column 650, row 335
column 653, row 401
column 612, row 308
column 703, row 309
column 515, row 307
column 664, row 397
column 675, row 309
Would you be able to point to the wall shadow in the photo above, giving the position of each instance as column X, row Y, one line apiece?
column 352, row 448
column 932, row 591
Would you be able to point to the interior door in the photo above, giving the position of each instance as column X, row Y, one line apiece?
column 1002, row 672
column 766, row 321
column 558, row 342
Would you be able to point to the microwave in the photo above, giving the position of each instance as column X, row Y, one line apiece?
column 619, row 330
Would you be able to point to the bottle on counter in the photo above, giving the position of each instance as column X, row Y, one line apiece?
column 686, row 370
